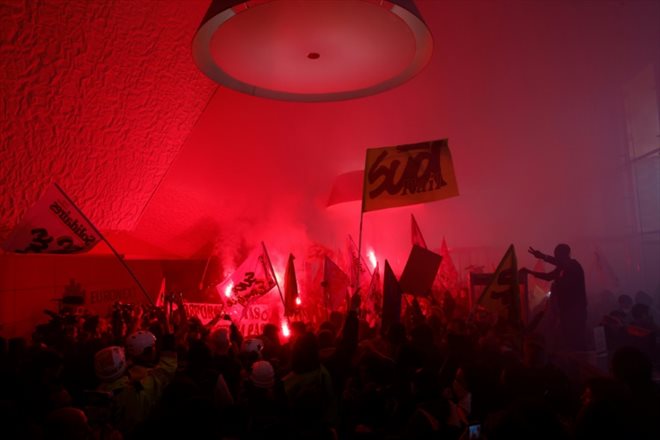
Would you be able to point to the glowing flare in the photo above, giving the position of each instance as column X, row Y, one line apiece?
column 298, row 301
column 372, row 258
column 229, row 288
column 285, row 330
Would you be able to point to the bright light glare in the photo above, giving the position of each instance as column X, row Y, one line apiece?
column 229, row 288
column 298, row 301
column 285, row 330
column 372, row 258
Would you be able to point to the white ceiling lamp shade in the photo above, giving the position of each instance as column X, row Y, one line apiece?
column 312, row 50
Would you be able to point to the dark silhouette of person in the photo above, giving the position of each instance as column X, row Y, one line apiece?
column 569, row 291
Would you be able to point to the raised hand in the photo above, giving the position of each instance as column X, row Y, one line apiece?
column 537, row 254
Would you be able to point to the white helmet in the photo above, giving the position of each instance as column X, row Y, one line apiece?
column 110, row 363
column 252, row 345
column 138, row 342
column 263, row 375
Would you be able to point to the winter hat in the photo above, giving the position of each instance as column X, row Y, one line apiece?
column 263, row 375
column 110, row 363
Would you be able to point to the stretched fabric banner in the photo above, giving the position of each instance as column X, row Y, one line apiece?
column 502, row 295
column 251, row 280
column 408, row 174
column 54, row 225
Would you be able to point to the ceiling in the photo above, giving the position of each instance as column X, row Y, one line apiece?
column 104, row 98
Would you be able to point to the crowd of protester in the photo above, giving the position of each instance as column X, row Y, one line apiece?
column 148, row 372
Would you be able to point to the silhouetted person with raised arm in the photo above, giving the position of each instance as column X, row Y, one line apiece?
column 569, row 292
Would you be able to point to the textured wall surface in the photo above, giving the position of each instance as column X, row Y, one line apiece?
column 98, row 96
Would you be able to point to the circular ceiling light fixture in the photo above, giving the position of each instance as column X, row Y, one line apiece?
column 312, row 50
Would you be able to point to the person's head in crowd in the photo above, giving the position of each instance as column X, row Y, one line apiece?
column 67, row 424
column 599, row 389
column 305, row 354
column 141, row 347
column 642, row 297
column 632, row 367
column 562, row 252
column 337, row 320
column 271, row 338
column 426, row 385
column 219, row 341
column 641, row 315
column 327, row 325
column 271, row 333
column 16, row 348
column 251, row 351
column 534, row 352
column 262, row 375
column 298, row 328
column 625, row 303
column 422, row 336
column 396, row 334
column 196, row 330
column 326, row 339
column 110, row 363
column 603, row 412
column 526, row 420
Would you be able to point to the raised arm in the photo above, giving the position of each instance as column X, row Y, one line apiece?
column 538, row 254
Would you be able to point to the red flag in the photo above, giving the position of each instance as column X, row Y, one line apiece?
column 360, row 277
column 536, row 287
column 347, row 188
column 335, row 283
column 391, row 299
column 419, row 273
column 447, row 274
column 605, row 278
column 54, row 225
column 290, row 288
column 416, row 234
column 374, row 302
column 502, row 295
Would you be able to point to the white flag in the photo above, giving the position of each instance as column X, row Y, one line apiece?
column 54, row 225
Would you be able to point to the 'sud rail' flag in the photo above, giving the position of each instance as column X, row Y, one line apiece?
column 252, row 279
column 502, row 295
column 54, row 225
column 408, row 174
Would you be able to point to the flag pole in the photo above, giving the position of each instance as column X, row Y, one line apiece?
column 364, row 194
column 277, row 283
column 114, row 251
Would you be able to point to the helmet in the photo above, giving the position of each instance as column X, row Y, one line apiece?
column 110, row 363
column 252, row 345
column 138, row 342
column 263, row 375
